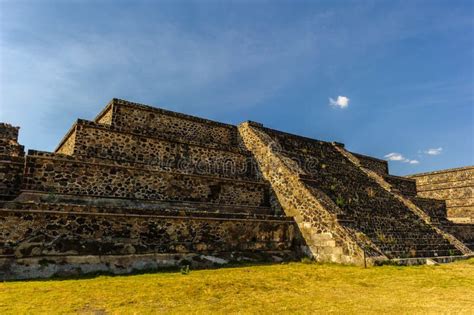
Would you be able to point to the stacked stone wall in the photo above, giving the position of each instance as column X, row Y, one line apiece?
column 105, row 117
column 56, row 174
column 97, row 141
column 11, row 176
column 170, row 208
column 435, row 209
column 455, row 186
column 29, row 233
column 376, row 165
column 9, row 141
column 11, row 161
column 67, row 146
column 11, row 148
column 57, row 243
column 463, row 231
column 8, row 132
column 152, row 121
column 404, row 185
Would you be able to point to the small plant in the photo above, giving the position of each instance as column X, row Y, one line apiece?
column 390, row 240
column 381, row 237
column 340, row 201
column 185, row 270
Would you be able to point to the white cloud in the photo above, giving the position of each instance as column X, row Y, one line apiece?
column 394, row 156
column 341, row 101
column 436, row 151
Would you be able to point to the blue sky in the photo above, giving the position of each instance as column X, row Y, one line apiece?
column 386, row 78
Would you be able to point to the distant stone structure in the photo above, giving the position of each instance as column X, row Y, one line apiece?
column 141, row 188
column 455, row 186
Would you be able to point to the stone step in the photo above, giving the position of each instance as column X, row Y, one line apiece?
column 411, row 242
column 408, row 234
column 416, row 246
column 408, row 219
column 152, row 208
column 429, row 260
column 422, row 253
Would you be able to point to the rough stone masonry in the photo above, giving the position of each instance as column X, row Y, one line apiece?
column 141, row 188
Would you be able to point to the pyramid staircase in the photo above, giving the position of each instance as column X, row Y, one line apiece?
column 350, row 199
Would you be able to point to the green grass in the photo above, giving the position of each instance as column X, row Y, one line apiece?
column 286, row 288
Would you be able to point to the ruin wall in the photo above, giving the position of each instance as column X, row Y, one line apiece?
column 57, row 243
column 92, row 140
column 33, row 233
column 57, row 174
column 11, row 162
column 148, row 120
column 455, row 186
column 376, row 165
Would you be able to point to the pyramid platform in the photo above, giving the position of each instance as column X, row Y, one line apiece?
column 141, row 188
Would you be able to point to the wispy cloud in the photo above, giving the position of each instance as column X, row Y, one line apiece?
column 198, row 72
column 340, row 101
column 242, row 63
column 394, row 156
column 435, row 151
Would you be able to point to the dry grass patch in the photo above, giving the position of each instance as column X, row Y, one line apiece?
column 287, row 288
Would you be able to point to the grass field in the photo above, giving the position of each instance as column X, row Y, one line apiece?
column 286, row 288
